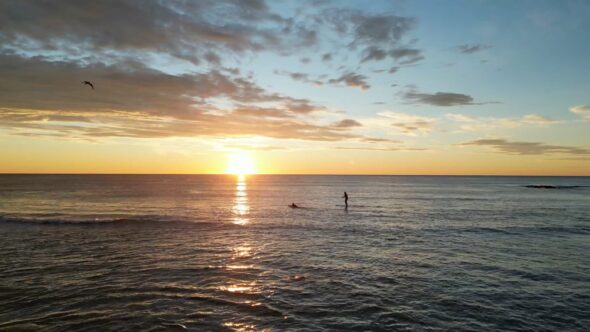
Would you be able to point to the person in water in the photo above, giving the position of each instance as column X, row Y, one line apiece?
column 345, row 199
column 293, row 205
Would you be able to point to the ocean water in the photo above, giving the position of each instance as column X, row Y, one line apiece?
column 224, row 253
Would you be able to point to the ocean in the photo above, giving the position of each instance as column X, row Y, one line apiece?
column 227, row 253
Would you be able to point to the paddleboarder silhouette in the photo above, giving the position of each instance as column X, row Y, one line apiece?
column 345, row 200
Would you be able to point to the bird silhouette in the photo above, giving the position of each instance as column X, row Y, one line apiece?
column 88, row 83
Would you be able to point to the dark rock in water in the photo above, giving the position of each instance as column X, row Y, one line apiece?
column 542, row 186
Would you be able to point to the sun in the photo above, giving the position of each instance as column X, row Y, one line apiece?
column 240, row 163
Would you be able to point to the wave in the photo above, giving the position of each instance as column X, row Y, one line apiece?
column 516, row 230
column 545, row 186
column 60, row 219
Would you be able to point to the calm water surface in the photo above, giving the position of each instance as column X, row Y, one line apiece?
column 222, row 253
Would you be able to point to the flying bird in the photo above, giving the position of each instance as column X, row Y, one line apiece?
column 88, row 83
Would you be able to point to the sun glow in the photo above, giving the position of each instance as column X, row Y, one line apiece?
column 240, row 163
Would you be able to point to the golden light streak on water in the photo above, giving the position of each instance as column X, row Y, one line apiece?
column 241, row 207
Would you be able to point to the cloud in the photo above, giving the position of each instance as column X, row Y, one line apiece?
column 527, row 148
column 408, row 123
column 376, row 36
column 301, row 77
column 212, row 58
column 225, row 125
column 404, row 56
column 368, row 148
column 264, row 112
column 539, row 120
column 407, row 56
column 373, row 53
column 378, row 140
column 195, row 31
column 581, row 110
column 352, row 80
column 44, row 98
column 15, row 116
column 444, row 99
column 189, row 30
column 471, row 123
column 349, row 79
column 347, row 123
column 381, row 29
column 472, row 48
column 160, row 67
column 35, row 83
column 241, row 122
column 461, row 118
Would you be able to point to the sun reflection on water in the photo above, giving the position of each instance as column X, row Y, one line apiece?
column 241, row 207
column 242, row 327
column 238, row 266
column 248, row 288
column 242, row 251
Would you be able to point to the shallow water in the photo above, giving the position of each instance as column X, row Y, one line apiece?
column 134, row 252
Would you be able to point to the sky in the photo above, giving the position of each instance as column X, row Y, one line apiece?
column 295, row 87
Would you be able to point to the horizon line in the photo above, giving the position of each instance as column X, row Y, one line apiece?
column 301, row 174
